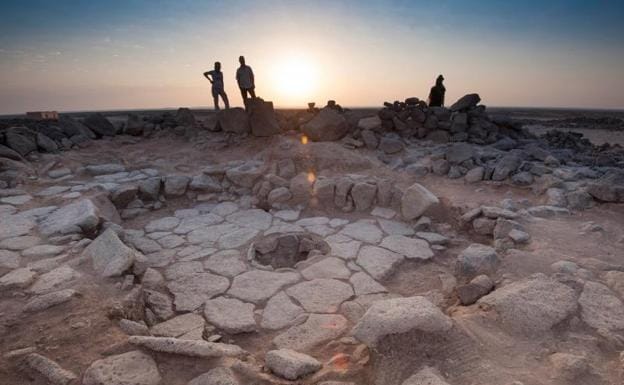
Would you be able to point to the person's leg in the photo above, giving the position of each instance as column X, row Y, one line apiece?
column 252, row 92
column 244, row 94
column 225, row 100
column 215, row 98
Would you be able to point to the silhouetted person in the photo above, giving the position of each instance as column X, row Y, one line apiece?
column 436, row 96
column 245, row 79
column 216, row 78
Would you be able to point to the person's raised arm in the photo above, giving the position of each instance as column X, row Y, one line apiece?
column 207, row 75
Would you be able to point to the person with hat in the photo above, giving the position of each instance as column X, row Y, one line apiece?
column 436, row 95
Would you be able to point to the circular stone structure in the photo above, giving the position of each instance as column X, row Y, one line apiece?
column 286, row 249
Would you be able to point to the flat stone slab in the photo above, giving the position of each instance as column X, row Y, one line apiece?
column 258, row 285
column 600, row 308
column 217, row 376
column 321, row 295
column 190, row 348
column 227, row 263
column 171, row 241
column 190, row 223
column 14, row 226
column 162, row 224
column 185, row 326
column 330, row 267
column 49, row 300
column 230, row 315
column 290, row 364
column 280, row 312
column 364, row 231
column 395, row 227
column 110, row 256
column 211, row 233
column 237, row 238
column 20, row 243
column 316, row 330
column 53, row 279
column 135, row 368
column 379, row 263
column 77, row 217
column 17, row 279
column 364, row 284
column 190, row 292
column 9, row 259
column 410, row 248
column 254, row 218
column 42, row 251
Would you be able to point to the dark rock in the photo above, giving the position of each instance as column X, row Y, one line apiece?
column 233, row 120
column 466, row 102
column 327, row 125
column 100, row 125
column 134, row 126
column 477, row 288
column 6, row 152
column 262, row 118
column 441, row 167
column 506, row 166
column 438, row 136
column 17, row 140
column 390, row 145
column 459, row 153
column 185, row 117
column 46, row 144
column 71, row 127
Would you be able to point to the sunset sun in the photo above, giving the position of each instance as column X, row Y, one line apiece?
column 295, row 77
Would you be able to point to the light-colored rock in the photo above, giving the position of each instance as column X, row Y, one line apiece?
column 49, row 300
column 227, row 263
column 257, row 285
column 379, row 263
column 254, row 218
column 237, row 238
column 363, row 230
column 280, row 312
column 53, row 279
column 425, row 376
column 533, row 305
column 192, row 291
column 162, row 224
column 78, row 217
column 230, row 315
column 477, row 259
column 185, row 324
column 364, row 284
column 416, row 201
column 9, row 259
column 330, row 267
column 411, row 248
column 42, row 251
column 400, row 315
column 20, row 243
column 191, row 348
column 50, row 370
column 110, row 256
column 134, row 368
column 395, row 227
column 133, row 328
column 321, row 295
column 290, row 364
column 600, row 308
column 18, row 278
column 217, row 376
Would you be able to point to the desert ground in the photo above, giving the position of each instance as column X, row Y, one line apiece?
column 405, row 245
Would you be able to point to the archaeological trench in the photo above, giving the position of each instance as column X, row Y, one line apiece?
column 404, row 246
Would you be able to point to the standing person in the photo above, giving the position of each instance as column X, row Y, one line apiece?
column 436, row 96
column 215, row 77
column 245, row 79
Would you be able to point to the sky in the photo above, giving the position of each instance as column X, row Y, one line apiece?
column 131, row 54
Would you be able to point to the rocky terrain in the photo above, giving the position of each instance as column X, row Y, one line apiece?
column 404, row 246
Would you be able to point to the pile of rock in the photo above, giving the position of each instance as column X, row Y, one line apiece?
column 465, row 120
column 502, row 224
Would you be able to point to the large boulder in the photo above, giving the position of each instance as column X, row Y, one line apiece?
column 262, row 118
column 45, row 144
column 134, row 367
column 100, row 125
column 328, row 125
column 246, row 174
column 134, row 125
column 78, row 217
column 601, row 308
column 416, row 201
column 184, row 117
column 398, row 316
column 6, row 152
column 110, row 256
column 459, row 152
column 609, row 188
column 466, row 102
column 533, row 305
column 72, row 127
column 19, row 140
column 234, row 120
column 477, row 259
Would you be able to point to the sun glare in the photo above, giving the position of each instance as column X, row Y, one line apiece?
column 295, row 78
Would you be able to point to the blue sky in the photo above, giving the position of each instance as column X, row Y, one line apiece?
column 139, row 54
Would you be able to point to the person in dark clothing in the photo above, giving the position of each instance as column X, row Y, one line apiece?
column 246, row 81
column 436, row 96
column 215, row 77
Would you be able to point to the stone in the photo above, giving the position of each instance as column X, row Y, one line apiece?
column 326, row 126
column 505, row 166
column 17, row 279
column 504, row 227
column 192, row 291
column 191, row 223
column 53, row 279
column 484, row 226
column 122, row 196
column 176, row 185
column 9, row 259
column 433, row 238
column 364, row 284
column 104, row 169
column 477, row 288
column 262, row 118
column 459, row 152
column 426, row 376
column 363, row 195
column 110, row 256
column 390, row 145
column 569, row 366
column 280, row 312
column 6, row 152
column 205, row 183
column 279, row 195
column 20, row 243
column 149, row 189
column 22, row 144
column 230, row 315
column 189, row 324
column 497, row 212
column 253, row 218
column 227, row 263
column 547, row 211
column 411, row 248
column 474, row 175
column 330, row 267
column 379, row 263
column 286, row 168
column 416, row 201
column 237, row 238
column 50, row 370
column 370, row 139
column 246, row 174
column 343, row 247
column 519, row 236
column 16, row 200
column 78, row 217
column 316, row 330
column 159, row 303
column 290, row 364
column 579, row 200
column 477, row 259
column 216, row 376
column 257, row 285
column 398, row 316
column 363, row 230
column 133, row 328
column 372, row 123
column 466, row 102
column 321, row 295
column 100, row 125
column 14, row 226
column 234, row 120
column 523, row 178
column 600, row 308
column 383, row 212
column 133, row 367
column 533, row 305
column 191, row 348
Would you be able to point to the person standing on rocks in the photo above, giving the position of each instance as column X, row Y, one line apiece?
column 215, row 77
column 245, row 79
column 436, row 95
